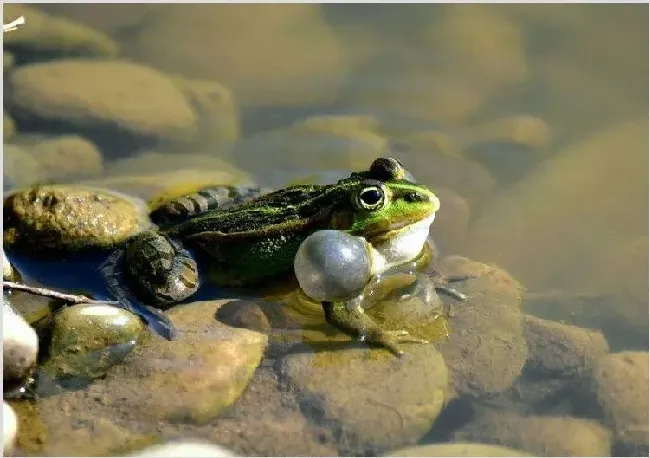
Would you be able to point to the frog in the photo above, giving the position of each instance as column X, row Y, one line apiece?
column 256, row 241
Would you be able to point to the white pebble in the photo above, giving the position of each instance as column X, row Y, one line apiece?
column 9, row 428
column 7, row 270
column 19, row 345
column 188, row 448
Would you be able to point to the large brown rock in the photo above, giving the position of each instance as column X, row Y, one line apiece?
column 101, row 93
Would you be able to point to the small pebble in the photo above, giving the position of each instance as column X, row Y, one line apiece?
column 620, row 383
column 9, row 428
column 7, row 270
column 176, row 449
column 87, row 339
column 20, row 346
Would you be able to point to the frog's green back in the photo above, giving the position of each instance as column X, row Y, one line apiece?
column 251, row 242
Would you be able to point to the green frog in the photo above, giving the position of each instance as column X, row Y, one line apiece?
column 255, row 241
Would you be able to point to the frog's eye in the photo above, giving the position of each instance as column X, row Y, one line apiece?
column 370, row 198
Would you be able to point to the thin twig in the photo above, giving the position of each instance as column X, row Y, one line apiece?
column 13, row 25
column 71, row 298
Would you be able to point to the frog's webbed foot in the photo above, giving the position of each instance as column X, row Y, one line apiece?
column 355, row 323
column 111, row 271
column 442, row 284
column 159, row 270
column 153, row 269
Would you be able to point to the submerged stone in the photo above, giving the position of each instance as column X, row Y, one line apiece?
column 88, row 339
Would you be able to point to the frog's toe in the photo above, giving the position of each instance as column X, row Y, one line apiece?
column 442, row 284
column 403, row 336
column 452, row 292
column 390, row 340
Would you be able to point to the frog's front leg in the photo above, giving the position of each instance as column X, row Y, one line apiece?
column 150, row 269
column 159, row 270
column 351, row 319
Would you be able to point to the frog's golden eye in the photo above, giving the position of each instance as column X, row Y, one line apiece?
column 370, row 198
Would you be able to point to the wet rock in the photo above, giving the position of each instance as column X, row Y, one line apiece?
column 523, row 130
column 109, row 18
column 555, row 347
column 617, row 293
column 452, row 221
column 88, row 339
column 36, row 310
column 191, row 379
column 7, row 269
column 60, row 220
column 520, row 141
column 150, row 185
column 66, row 156
column 19, row 347
column 217, row 113
column 486, row 350
column 20, row 168
column 587, row 84
column 560, row 360
column 462, row 449
column 601, row 250
column 51, row 34
column 64, row 429
column 431, row 142
column 373, row 400
column 407, row 85
column 7, row 61
column 467, row 53
column 125, row 95
column 186, row 448
column 245, row 314
column 9, row 428
column 153, row 173
column 478, row 46
column 620, row 385
column 518, row 226
column 269, row 422
column 8, row 127
column 242, row 39
column 539, row 436
column 344, row 143
column 338, row 124
column 152, row 162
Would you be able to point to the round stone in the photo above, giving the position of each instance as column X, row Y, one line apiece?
column 50, row 221
column 88, row 339
column 19, row 347
column 185, row 448
column 9, row 428
column 332, row 265
column 7, row 268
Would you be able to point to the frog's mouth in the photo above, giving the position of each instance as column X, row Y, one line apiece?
column 398, row 245
column 398, row 229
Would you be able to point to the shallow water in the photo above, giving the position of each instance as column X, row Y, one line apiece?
column 529, row 121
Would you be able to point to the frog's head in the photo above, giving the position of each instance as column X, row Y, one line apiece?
column 388, row 209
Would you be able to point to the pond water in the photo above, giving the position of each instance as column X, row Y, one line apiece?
column 530, row 123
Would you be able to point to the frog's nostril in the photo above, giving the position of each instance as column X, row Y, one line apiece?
column 415, row 197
